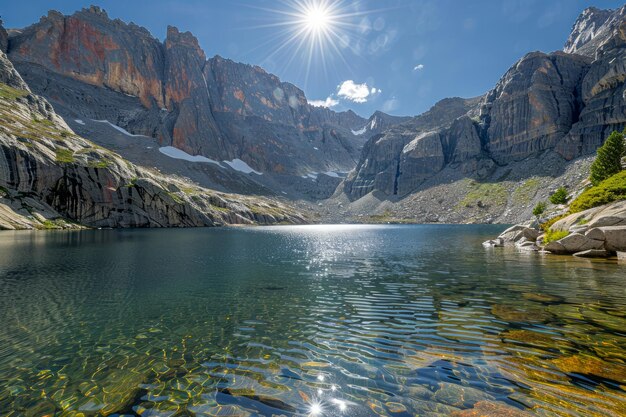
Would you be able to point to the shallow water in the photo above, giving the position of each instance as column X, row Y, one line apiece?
column 306, row 320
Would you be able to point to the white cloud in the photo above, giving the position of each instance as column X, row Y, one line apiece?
column 329, row 102
column 358, row 93
column 418, row 67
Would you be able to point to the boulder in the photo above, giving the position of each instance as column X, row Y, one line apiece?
column 526, row 244
column 613, row 214
column 615, row 238
column 519, row 231
column 593, row 253
column 555, row 247
column 576, row 242
column 595, row 234
column 497, row 243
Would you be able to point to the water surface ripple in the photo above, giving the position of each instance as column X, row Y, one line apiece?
column 305, row 320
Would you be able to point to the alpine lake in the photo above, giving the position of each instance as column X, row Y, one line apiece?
column 335, row 320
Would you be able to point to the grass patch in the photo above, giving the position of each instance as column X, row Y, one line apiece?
column 221, row 209
column 10, row 93
column 175, row 197
column 525, row 192
column 53, row 224
column 103, row 163
column 64, row 156
column 132, row 182
column 610, row 190
column 554, row 235
column 487, row 193
column 46, row 122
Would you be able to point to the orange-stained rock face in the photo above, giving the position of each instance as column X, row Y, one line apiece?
column 216, row 107
column 83, row 46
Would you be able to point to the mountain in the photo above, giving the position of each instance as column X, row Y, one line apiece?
column 50, row 177
column 92, row 68
column 548, row 109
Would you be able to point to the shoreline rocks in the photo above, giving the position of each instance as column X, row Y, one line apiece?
column 595, row 233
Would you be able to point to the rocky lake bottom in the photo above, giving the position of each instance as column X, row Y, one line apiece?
column 306, row 321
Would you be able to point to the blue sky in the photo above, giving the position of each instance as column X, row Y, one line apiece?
column 399, row 56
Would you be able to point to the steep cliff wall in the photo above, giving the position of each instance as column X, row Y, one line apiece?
column 52, row 178
column 562, row 102
column 90, row 66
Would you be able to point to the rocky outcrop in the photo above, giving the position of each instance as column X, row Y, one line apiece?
column 52, row 178
column 593, row 30
column 562, row 102
column 403, row 156
column 533, row 106
column 4, row 38
column 595, row 233
column 90, row 66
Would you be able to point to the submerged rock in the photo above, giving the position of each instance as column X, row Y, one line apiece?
column 588, row 365
column 542, row 298
column 520, row 314
column 491, row 409
column 458, row 395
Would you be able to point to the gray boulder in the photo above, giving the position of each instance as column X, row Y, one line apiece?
column 614, row 238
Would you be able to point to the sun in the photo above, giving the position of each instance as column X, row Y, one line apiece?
column 317, row 18
column 314, row 35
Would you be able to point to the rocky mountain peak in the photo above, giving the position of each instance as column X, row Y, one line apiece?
column 4, row 38
column 185, row 39
column 97, row 11
column 594, row 28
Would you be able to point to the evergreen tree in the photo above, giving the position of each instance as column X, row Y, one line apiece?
column 559, row 196
column 608, row 162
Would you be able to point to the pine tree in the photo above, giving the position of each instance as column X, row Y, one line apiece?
column 608, row 162
column 559, row 196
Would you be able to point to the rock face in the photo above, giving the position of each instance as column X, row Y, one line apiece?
column 92, row 67
column 592, row 30
column 4, row 38
column 404, row 155
column 52, row 178
column 563, row 102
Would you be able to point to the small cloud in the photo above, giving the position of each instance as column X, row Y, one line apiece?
column 418, row 67
column 329, row 102
column 358, row 93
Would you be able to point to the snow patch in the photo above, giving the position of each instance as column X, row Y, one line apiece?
column 80, row 122
column 360, row 131
column 119, row 129
column 239, row 165
column 373, row 124
column 176, row 153
column 315, row 148
column 332, row 174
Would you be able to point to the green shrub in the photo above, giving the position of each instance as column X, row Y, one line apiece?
column 552, row 235
column 559, row 196
column 547, row 225
column 539, row 208
column 610, row 190
column 608, row 162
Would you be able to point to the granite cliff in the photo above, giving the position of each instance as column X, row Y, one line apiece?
column 92, row 67
column 50, row 177
column 464, row 159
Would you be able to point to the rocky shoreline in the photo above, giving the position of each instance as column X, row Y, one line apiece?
column 599, row 232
